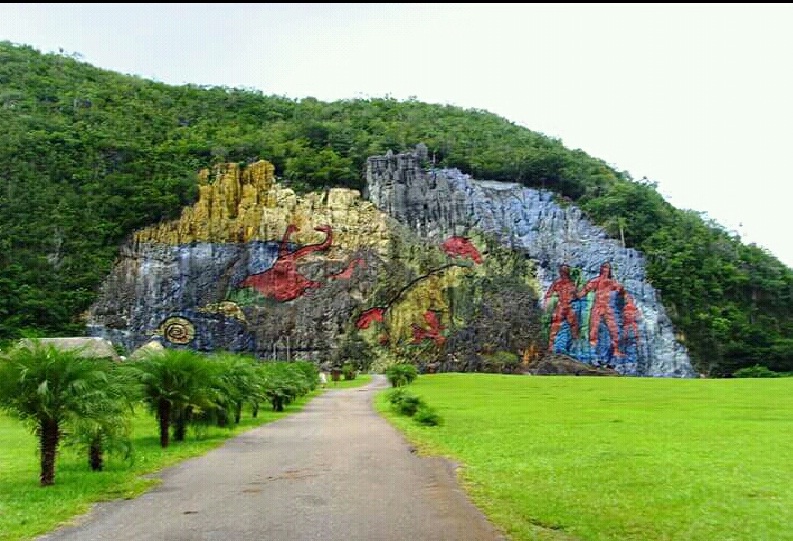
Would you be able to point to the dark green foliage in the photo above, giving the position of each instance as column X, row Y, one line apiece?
column 348, row 371
column 406, row 403
column 396, row 394
column 177, row 385
column 756, row 371
column 310, row 372
column 283, row 382
column 87, row 156
column 501, row 362
column 354, row 352
column 409, row 404
column 427, row 416
column 235, row 382
column 400, row 374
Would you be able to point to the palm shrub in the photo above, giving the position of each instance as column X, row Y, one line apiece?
column 107, row 427
column 406, row 403
column 348, row 371
column 427, row 415
column 176, row 384
column 109, row 432
column 234, row 380
column 283, row 382
column 50, row 388
column 310, row 371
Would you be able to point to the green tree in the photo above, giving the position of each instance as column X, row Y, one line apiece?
column 175, row 384
column 49, row 389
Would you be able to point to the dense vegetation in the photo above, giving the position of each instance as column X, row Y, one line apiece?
column 87, row 156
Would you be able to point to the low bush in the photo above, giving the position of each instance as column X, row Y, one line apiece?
column 348, row 371
column 401, row 374
column 756, row 371
column 427, row 416
column 411, row 405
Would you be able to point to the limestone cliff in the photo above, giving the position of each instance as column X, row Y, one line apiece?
column 254, row 267
column 613, row 320
column 435, row 267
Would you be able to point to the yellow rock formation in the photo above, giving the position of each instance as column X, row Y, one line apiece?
column 247, row 204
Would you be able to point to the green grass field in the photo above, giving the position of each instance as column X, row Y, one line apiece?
column 617, row 458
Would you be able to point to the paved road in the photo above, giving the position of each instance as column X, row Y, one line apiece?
column 335, row 471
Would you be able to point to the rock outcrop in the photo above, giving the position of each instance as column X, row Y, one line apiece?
column 435, row 267
column 440, row 203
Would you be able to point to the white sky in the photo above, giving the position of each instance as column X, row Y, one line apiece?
column 698, row 97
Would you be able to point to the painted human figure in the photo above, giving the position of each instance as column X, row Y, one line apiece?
column 630, row 317
column 603, row 285
column 566, row 291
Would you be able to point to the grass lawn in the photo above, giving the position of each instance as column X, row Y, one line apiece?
column 591, row 458
column 359, row 381
column 28, row 510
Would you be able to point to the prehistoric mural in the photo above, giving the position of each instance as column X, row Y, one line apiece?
column 458, row 249
column 421, row 271
column 282, row 281
column 596, row 321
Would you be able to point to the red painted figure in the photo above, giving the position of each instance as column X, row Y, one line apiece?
column 603, row 285
column 368, row 316
column 566, row 292
column 630, row 317
column 434, row 331
column 282, row 281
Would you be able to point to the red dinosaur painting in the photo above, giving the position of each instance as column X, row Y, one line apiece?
column 282, row 281
column 461, row 247
column 368, row 316
column 434, row 331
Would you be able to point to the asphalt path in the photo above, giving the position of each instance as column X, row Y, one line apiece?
column 334, row 471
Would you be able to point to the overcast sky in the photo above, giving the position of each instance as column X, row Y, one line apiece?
column 697, row 97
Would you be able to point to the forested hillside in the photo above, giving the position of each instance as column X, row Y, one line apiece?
column 87, row 156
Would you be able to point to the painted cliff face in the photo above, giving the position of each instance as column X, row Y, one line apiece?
column 252, row 267
column 271, row 292
column 282, row 281
column 620, row 323
column 436, row 269
column 595, row 321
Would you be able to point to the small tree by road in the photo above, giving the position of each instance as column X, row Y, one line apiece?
column 50, row 388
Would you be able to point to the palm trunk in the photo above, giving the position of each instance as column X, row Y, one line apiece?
column 49, row 434
column 182, row 419
column 164, row 415
column 223, row 417
column 95, row 454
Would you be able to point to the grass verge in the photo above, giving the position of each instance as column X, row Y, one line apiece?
column 28, row 510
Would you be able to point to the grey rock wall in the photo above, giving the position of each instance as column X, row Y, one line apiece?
column 440, row 203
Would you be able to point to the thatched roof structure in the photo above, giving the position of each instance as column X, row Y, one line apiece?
column 92, row 347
